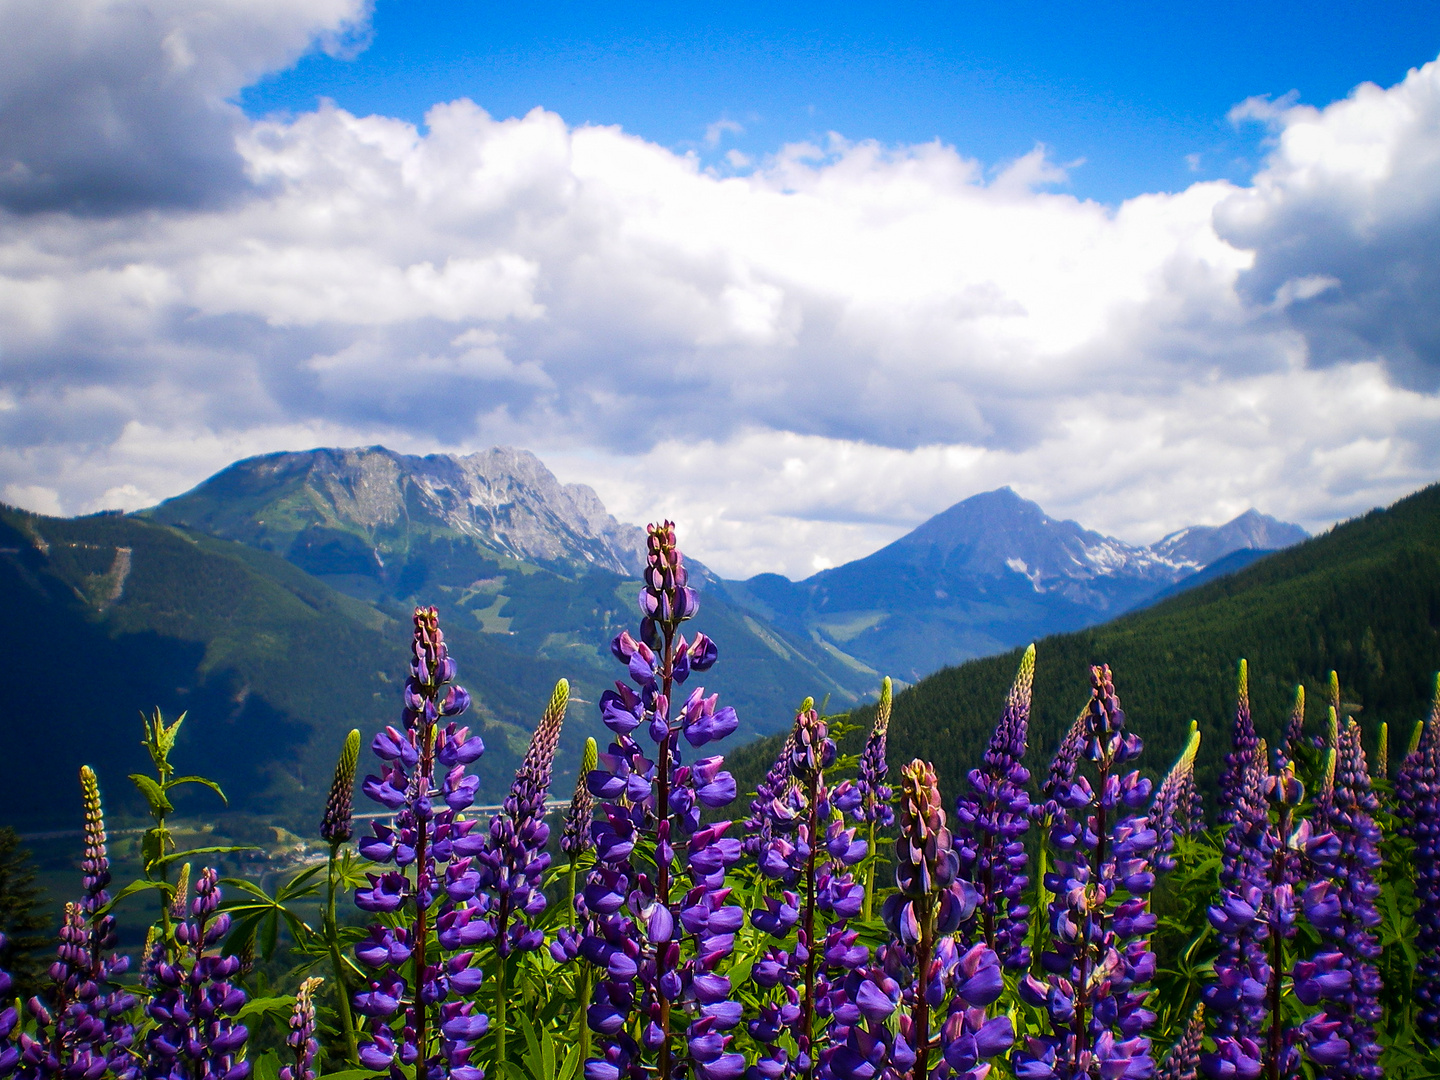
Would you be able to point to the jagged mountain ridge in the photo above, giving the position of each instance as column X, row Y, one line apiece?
column 989, row 573
column 346, row 509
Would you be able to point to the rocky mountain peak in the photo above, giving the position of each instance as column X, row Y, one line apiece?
column 505, row 498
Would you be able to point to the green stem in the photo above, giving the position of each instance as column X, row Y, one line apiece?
column 870, row 875
column 500, row 1002
column 342, row 987
column 570, row 914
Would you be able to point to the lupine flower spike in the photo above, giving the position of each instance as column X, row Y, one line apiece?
column 301, row 1040
column 416, row 1001
column 1099, row 922
column 1347, row 915
column 194, row 1009
column 575, row 840
column 82, row 1027
column 512, row 865
column 1417, row 793
column 991, row 821
column 1171, row 809
column 336, row 826
column 661, row 929
column 940, row 988
column 868, row 799
column 1183, row 1061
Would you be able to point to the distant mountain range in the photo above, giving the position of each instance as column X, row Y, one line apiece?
column 987, row 574
column 1362, row 599
column 273, row 601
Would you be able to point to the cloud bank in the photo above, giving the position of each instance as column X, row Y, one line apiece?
column 798, row 362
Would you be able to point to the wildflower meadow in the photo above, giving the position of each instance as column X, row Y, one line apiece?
column 1099, row 917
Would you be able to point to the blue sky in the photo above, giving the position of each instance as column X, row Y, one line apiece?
column 1134, row 90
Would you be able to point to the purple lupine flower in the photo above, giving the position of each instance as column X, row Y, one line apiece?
column 867, row 798
column 423, row 1021
column 301, row 1039
column 1063, row 766
column 575, row 840
column 924, row 973
column 1345, row 912
column 1241, row 758
column 874, row 805
column 990, row 825
column 1183, row 1061
column 1417, row 792
column 1254, row 920
column 195, row 1005
column 1099, row 922
column 1244, row 865
column 809, row 853
column 1170, row 806
column 337, row 826
column 659, row 947
column 514, row 860
column 82, row 1026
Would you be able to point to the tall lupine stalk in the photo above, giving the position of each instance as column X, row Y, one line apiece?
column 1101, row 954
column 1241, row 757
column 1417, row 794
column 575, row 839
column 1183, row 1061
column 336, row 829
column 1245, row 816
column 808, row 852
column 1170, row 809
column 1255, row 921
column 512, row 865
column 1062, row 772
column 661, row 925
column 422, row 766
column 941, row 988
column 83, row 1028
column 991, row 821
column 194, row 1007
column 301, row 1040
column 1348, row 915
column 868, row 798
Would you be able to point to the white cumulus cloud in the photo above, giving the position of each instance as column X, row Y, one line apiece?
column 798, row 363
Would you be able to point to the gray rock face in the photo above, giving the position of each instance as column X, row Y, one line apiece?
column 506, row 499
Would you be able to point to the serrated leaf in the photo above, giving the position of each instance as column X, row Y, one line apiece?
column 154, row 794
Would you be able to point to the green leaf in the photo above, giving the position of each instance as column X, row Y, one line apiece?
column 198, row 780
column 275, row 1006
column 571, row 1067
column 177, row 856
column 139, row 885
column 266, row 1066
column 154, row 795
column 350, row 1074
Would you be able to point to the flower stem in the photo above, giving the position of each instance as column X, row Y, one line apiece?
column 342, row 989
